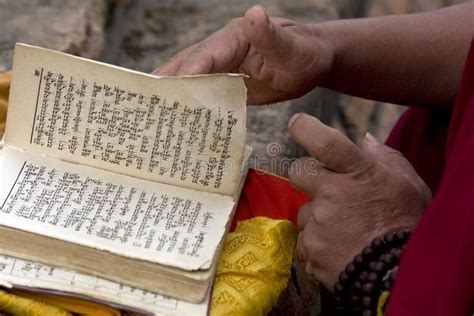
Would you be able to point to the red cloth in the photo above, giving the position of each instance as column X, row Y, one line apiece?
column 267, row 195
column 436, row 274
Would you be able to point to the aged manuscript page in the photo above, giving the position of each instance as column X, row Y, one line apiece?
column 136, row 218
column 187, row 132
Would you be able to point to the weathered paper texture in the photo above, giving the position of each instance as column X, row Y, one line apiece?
column 187, row 131
column 136, row 218
column 18, row 272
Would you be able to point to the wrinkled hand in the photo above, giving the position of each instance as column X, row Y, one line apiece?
column 358, row 195
column 283, row 59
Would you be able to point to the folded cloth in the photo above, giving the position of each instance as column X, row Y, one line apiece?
column 254, row 267
column 71, row 304
column 17, row 305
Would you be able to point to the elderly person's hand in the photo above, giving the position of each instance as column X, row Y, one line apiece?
column 283, row 59
column 358, row 195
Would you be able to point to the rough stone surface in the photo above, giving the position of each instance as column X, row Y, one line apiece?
column 145, row 33
column 75, row 27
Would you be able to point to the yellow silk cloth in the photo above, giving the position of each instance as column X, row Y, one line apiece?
column 254, row 267
column 34, row 304
column 16, row 305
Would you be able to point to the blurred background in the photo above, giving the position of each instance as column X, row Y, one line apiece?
column 141, row 34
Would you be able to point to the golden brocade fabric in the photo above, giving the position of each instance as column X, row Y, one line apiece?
column 254, row 268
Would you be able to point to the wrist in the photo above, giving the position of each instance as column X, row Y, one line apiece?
column 324, row 49
column 330, row 48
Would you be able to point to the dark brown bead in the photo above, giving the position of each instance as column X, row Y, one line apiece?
column 403, row 235
column 356, row 311
column 377, row 244
column 359, row 261
column 387, row 285
column 354, row 298
column 363, row 276
column 339, row 289
column 343, row 278
column 389, row 259
column 373, row 277
column 380, row 267
column 368, row 253
column 393, row 251
column 351, row 270
column 368, row 312
column 366, row 302
column 397, row 253
column 391, row 238
column 357, row 287
column 369, row 288
column 372, row 265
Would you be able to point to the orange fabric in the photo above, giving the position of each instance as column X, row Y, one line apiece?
column 265, row 194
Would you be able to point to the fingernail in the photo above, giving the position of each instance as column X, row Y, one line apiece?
column 261, row 8
column 371, row 139
column 293, row 119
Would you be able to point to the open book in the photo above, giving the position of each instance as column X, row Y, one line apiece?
column 119, row 174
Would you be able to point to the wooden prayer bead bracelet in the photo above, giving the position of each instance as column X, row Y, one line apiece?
column 369, row 274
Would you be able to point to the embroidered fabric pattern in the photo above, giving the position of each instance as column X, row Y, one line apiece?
column 254, row 268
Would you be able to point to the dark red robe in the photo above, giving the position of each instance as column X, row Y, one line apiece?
column 436, row 275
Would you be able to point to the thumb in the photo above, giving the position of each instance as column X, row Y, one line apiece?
column 394, row 160
column 267, row 36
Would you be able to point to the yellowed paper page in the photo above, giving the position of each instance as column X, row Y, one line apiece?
column 18, row 272
column 187, row 131
column 135, row 218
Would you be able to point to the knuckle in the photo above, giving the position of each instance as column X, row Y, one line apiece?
column 234, row 22
column 295, row 168
column 204, row 45
column 329, row 146
column 328, row 192
column 321, row 218
column 394, row 153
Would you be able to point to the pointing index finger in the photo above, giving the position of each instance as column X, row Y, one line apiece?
column 326, row 144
